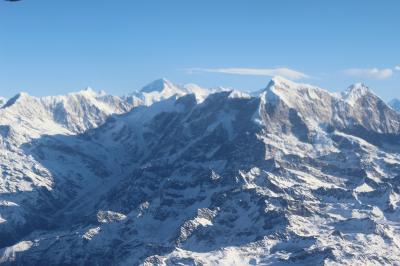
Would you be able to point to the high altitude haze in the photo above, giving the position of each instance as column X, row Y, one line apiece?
column 52, row 47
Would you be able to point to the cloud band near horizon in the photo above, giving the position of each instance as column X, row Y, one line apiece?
column 374, row 73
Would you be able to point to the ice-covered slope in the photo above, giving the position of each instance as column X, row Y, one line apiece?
column 294, row 176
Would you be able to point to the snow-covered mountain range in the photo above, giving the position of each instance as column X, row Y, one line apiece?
column 183, row 175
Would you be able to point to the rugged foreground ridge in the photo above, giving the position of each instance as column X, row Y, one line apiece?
column 181, row 175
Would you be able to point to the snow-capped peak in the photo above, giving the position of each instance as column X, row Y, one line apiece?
column 158, row 90
column 239, row 94
column 279, row 81
column 292, row 93
column 283, row 83
column 358, row 89
column 202, row 93
column 89, row 92
column 158, row 85
column 162, row 89
column 199, row 92
column 355, row 92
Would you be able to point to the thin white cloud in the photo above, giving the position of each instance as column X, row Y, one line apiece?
column 397, row 68
column 269, row 72
column 374, row 73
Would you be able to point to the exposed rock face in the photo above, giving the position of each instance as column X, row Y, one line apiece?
column 295, row 175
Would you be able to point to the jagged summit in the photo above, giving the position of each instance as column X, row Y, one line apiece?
column 356, row 92
column 359, row 88
column 285, row 87
column 295, row 95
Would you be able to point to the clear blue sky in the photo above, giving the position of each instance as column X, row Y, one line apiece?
column 50, row 47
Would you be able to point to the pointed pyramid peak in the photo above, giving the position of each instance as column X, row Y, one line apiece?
column 157, row 85
column 284, row 83
column 358, row 88
column 158, row 90
column 356, row 91
column 17, row 98
column 278, row 80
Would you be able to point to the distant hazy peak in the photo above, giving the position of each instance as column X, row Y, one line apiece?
column 395, row 104
column 2, row 101
column 23, row 97
column 90, row 92
column 158, row 85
